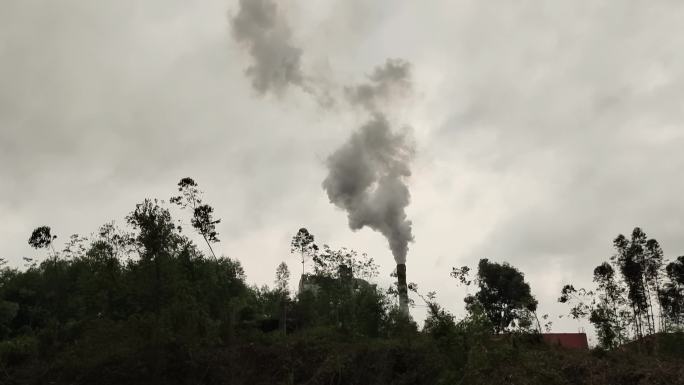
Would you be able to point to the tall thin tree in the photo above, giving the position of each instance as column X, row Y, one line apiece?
column 303, row 243
column 202, row 214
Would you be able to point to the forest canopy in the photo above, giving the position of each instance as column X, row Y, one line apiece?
column 143, row 303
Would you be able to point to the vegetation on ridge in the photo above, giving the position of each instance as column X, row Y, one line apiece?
column 143, row 304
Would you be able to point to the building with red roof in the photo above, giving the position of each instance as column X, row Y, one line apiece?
column 567, row 340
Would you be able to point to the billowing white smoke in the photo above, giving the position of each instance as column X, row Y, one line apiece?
column 367, row 179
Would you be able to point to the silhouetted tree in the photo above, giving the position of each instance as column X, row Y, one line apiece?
column 145, row 305
column 339, row 293
column 672, row 293
column 157, row 237
column 41, row 238
column 156, row 232
column 628, row 299
column 504, row 296
column 282, row 282
column 303, row 243
column 121, row 242
column 653, row 275
column 282, row 278
column 578, row 298
column 462, row 274
column 202, row 214
column 439, row 323
column 334, row 263
column 608, row 313
column 638, row 268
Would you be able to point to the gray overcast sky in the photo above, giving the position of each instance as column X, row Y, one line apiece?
column 542, row 128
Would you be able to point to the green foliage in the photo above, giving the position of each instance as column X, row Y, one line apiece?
column 18, row 350
column 338, row 263
column 282, row 278
column 202, row 220
column 502, row 294
column 127, row 292
column 350, row 305
column 672, row 294
column 634, row 296
column 303, row 244
column 143, row 305
column 41, row 238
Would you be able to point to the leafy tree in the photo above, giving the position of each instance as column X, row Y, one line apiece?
column 653, row 275
column 578, row 298
column 282, row 282
column 119, row 294
column 202, row 214
column 121, row 242
column 303, row 243
column 143, row 304
column 672, row 293
column 606, row 308
column 282, row 278
column 609, row 313
column 628, row 288
column 439, row 323
column 639, row 261
column 462, row 274
column 342, row 295
column 157, row 234
column 336, row 263
column 504, row 296
column 41, row 238
column 632, row 272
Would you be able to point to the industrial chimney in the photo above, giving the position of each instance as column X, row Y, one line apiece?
column 402, row 288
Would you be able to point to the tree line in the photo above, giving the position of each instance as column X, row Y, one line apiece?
column 146, row 298
column 638, row 293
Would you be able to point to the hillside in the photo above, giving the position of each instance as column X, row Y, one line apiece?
column 143, row 304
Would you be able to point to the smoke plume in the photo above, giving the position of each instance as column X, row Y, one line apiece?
column 385, row 84
column 367, row 179
column 367, row 175
column 261, row 28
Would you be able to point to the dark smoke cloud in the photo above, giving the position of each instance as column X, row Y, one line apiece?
column 367, row 179
column 386, row 82
column 260, row 26
column 367, row 174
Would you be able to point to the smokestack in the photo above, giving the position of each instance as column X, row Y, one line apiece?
column 402, row 288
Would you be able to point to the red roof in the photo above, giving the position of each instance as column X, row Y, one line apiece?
column 567, row 340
